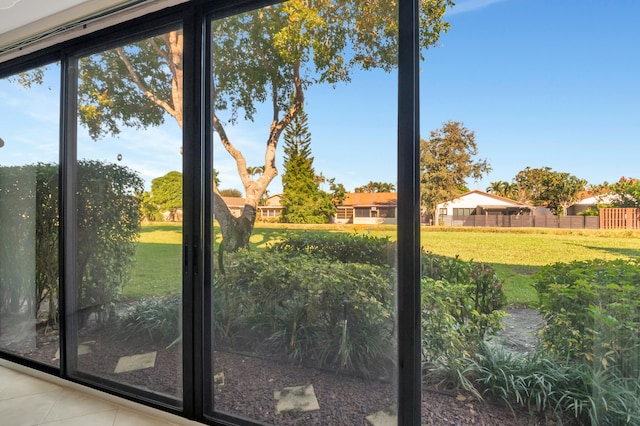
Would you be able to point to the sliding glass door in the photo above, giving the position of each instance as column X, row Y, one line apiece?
column 303, row 297
column 126, row 276
column 29, row 221
column 227, row 216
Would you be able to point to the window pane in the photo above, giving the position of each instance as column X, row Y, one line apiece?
column 29, row 225
column 304, row 321
column 129, row 215
column 530, row 289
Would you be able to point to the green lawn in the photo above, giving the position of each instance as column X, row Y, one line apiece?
column 158, row 268
column 516, row 254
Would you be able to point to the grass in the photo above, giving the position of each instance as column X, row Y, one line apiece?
column 516, row 254
column 158, row 269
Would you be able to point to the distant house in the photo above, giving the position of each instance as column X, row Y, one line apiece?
column 235, row 204
column 272, row 208
column 476, row 202
column 357, row 208
column 590, row 203
column 368, row 208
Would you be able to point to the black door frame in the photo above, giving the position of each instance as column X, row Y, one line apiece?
column 197, row 174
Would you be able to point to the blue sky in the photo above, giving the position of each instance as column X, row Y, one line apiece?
column 541, row 82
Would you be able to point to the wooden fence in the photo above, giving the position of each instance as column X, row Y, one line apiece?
column 524, row 221
column 620, row 218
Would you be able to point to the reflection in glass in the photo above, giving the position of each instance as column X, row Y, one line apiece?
column 304, row 321
column 29, row 222
column 128, row 262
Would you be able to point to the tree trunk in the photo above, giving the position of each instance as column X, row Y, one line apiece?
column 236, row 231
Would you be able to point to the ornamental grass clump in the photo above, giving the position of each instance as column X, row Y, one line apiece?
column 157, row 319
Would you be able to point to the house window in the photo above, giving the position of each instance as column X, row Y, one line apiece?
column 362, row 211
column 270, row 212
column 344, row 213
column 442, row 212
column 388, row 212
column 463, row 211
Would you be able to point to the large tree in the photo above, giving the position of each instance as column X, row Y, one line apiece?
column 166, row 193
column 302, row 198
column 530, row 184
column 267, row 57
column 446, row 162
column 546, row 187
column 561, row 191
column 625, row 192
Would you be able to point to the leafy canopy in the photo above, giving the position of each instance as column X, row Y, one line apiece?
column 626, row 192
column 266, row 57
column 446, row 161
column 546, row 187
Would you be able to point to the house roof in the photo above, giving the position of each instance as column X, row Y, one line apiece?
column 364, row 199
column 597, row 199
column 501, row 206
column 491, row 196
column 234, row 201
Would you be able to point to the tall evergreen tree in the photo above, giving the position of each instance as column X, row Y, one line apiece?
column 302, row 198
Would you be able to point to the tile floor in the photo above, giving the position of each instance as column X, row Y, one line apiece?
column 26, row 400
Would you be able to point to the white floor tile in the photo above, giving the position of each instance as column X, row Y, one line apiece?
column 105, row 418
column 28, row 401
column 26, row 385
column 26, row 410
column 72, row 403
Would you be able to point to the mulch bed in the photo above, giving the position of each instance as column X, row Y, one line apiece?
column 249, row 383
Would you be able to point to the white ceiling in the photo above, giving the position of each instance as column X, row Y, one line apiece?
column 18, row 13
column 35, row 24
column 21, row 19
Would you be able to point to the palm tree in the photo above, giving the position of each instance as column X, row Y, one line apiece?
column 254, row 171
column 504, row 189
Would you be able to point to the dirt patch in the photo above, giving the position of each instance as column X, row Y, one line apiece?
column 521, row 327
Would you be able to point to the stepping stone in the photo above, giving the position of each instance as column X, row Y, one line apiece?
column 382, row 418
column 296, row 398
column 218, row 378
column 83, row 349
column 136, row 362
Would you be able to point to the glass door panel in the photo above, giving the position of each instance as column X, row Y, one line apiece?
column 29, row 223
column 304, row 277
column 128, row 262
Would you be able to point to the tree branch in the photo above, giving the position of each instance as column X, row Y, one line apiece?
column 162, row 53
column 241, row 162
column 143, row 87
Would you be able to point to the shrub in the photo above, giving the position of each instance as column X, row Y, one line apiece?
column 483, row 285
column 274, row 302
column 108, row 220
column 344, row 247
column 461, row 304
column 592, row 312
column 451, row 327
